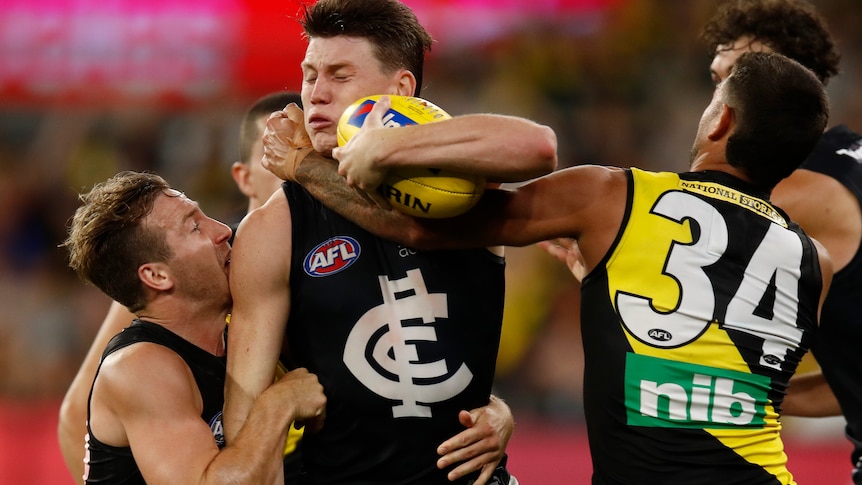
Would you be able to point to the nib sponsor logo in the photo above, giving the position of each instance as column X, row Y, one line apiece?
column 669, row 394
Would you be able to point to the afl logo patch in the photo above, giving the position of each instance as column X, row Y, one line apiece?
column 217, row 429
column 660, row 335
column 331, row 256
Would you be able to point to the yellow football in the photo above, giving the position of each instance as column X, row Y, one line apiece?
column 420, row 192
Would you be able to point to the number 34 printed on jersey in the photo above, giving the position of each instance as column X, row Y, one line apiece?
column 773, row 268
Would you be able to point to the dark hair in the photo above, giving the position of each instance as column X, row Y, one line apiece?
column 264, row 106
column 789, row 27
column 398, row 39
column 107, row 241
column 780, row 109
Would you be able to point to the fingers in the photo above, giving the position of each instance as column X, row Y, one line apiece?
column 467, row 419
column 375, row 116
column 294, row 113
column 482, row 463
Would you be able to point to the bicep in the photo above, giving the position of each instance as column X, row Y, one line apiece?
column 259, row 280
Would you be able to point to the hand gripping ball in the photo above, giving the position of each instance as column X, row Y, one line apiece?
column 420, row 192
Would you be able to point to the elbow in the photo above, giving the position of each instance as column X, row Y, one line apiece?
column 541, row 153
column 70, row 412
column 415, row 238
column 547, row 150
column 71, row 428
column 418, row 236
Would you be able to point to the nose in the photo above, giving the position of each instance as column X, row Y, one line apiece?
column 221, row 232
column 319, row 92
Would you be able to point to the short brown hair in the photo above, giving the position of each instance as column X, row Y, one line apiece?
column 107, row 241
column 790, row 27
column 398, row 38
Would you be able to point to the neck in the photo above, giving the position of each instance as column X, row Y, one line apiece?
column 202, row 328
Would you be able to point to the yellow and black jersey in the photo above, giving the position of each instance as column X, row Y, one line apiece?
column 693, row 324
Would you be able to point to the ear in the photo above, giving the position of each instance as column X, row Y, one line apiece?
column 405, row 83
column 724, row 125
column 242, row 176
column 156, row 276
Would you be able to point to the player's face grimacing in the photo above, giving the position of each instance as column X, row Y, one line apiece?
column 336, row 72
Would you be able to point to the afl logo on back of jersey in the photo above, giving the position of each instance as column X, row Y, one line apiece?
column 332, row 256
column 660, row 335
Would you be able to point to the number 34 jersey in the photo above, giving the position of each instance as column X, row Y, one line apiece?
column 692, row 326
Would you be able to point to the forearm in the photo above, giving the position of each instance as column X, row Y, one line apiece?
column 503, row 148
column 810, row 396
column 320, row 177
column 255, row 454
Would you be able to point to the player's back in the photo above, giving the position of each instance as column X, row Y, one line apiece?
column 693, row 324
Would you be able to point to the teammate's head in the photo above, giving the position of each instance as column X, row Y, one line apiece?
column 778, row 109
column 133, row 232
column 357, row 48
column 254, row 181
column 789, row 27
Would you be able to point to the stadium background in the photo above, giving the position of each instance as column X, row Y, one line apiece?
column 90, row 87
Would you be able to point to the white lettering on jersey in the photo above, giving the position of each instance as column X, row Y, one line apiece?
column 397, row 370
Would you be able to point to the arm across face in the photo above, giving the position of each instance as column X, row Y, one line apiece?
column 560, row 204
column 501, row 148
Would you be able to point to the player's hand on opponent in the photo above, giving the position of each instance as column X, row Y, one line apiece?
column 566, row 250
column 303, row 391
column 482, row 445
column 285, row 142
column 357, row 160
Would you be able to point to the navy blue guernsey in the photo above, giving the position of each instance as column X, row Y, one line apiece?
column 112, row 465
column 401, row 340
column 838, row 154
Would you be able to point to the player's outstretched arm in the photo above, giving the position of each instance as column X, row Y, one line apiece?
column 502, row 148
column 482, row 445
column 810, row 396
column 72, row 424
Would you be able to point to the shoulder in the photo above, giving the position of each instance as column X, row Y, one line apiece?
column 833, row 203
column 263, row 245
column 138, row 361
column 135, row 376
column 271, row 221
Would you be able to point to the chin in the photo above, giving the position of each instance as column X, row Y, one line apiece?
column 324, row 143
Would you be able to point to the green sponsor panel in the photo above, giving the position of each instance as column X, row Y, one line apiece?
column 668, row 394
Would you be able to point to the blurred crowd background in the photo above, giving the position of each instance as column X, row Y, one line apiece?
column 92, row 87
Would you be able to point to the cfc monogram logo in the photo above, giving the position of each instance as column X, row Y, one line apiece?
column 381, row 351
